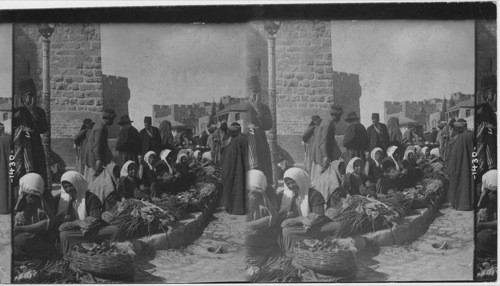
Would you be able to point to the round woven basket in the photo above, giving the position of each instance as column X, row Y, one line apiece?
column 114, row 266
column 337, row 263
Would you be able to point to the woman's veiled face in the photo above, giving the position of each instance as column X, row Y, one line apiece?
column 292, row 185
column 357, row 166
column 255, row 198
column 492, row 194
column 342, row 168
column 378, row 156
column 69, row 189
column 411, row 156
column 396, row 154
column 131, row 170
column 32, row 199
column 427, row 152
column 152, row 159
column 184, row 161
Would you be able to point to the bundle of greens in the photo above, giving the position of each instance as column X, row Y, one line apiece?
column 329, row 244
column 106, row 247
column 487, row 271
column 49, row 272
column 275, row 270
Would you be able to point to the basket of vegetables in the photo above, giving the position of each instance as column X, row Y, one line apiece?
column 106, row 260
column 331, row 256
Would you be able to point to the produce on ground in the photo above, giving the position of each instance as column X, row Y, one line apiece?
column 105, row 248
column 47, row 272
column 274, row 270
column 329, row 244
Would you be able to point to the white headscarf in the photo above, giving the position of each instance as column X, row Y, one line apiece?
column 302, row 179
column 424, row 150
column 146, row 158
column 407, row 154
column 163, row 156
column 256, row 179
column 390, row 153
column 256, row 182
column 418, row 149
column 179, row 157
column 372, row 155
column 350, row 165
column 124, row 170
column 81, row 186
column 31, row 183
column 490, row 182
column 196, row 154
column 207, row 155
column 190, row 153
column 435, row 152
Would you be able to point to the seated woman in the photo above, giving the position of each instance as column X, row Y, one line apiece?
column 129, row 185
column 373, row 167
column 166, row 175
column 149, row 169
column 261, row 217
column 426, row 153
column 413, row 170
column 81, row 210
column 393, row 171
column 487, row 227
column 329, row 184
column 33, row 238
column 302, row 209
column 105, row 186
column 186, row 175
column 355, row 182
column 435, row 156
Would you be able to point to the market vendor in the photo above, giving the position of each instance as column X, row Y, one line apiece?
column 130, row 185
column 105, row 186
column 413, row 170
column 373, row 166
column 355, row 181
column 486, row 240
column 33, row 221
column 329, row 183
column 261, row 217
column 166, row 174
column 149, row 168
column 186, row 175
column 81, row 210
column 393, row 171
column 426, row 152
column 302, row 208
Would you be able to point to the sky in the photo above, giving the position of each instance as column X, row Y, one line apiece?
column 404, row 60
column 6, row 59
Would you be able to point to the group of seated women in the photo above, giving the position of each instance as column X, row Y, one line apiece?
column 299, row 212
column 47, row 226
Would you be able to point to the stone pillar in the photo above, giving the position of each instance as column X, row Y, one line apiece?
column 46, row 103
column 271, row 47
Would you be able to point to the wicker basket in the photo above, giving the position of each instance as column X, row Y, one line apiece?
column 112, row 266
column 338, row 263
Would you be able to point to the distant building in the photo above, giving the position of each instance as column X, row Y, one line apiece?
column 434, row 119
column 465, row 110
column 233, row 113
column 6, row 113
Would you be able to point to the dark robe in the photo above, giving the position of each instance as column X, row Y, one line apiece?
column 461, row 187
column 80, row 141
column 409, row 137
column 234, row 169
column 128, row 144
column 486, row 139
column 355, row 141
column 204, row 139
column 378, row 139
column 5, row 190
column 395, row 135
column 128, row 187
column 354, row 184
column 150, row 141
column 167, row 139
column 308, row 139
column 375, row 172
column 29, row 154
column 259, row 153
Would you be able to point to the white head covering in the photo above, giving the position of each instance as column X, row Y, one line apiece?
column 407, row 153
column 190, row 153
column 179, row 157
column 81, row 186
column 31, row 183
column 350, row 165
column 207, row 155
column 196, row 154
column 372, row 155
column 256, row 179
column 424, row 150
column 490, row 182
column 163, row 156
column 390, row 153
column 435, row 152
column 124, row 170
column 146, row 158
column 302, row 179
column 256, row 182
column 418, row 149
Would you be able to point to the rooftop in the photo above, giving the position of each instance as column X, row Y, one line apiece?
column 463, row 104
column 240, row 106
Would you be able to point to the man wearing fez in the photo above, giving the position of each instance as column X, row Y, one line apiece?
column 128, row 143
column 459, row 165
column 259, row 122
column 234, row 169
column 326, row 149
column 378, row 135
column 98, row 153
column 29, row 122
column 356, row 138
column 150, row 138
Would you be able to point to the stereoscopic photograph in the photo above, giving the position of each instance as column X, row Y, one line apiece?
column 287, row 149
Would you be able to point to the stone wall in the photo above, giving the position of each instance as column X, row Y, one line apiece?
column 486, row 51
column 116, row 95
column 75, row 68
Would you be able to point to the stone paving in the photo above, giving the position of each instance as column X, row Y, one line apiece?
column 5, row 248
column 420, row 261
column 196, row 263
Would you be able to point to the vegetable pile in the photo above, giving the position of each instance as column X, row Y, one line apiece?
column 49, row 272
column 105, row 248
column 275, row 270
column 329, row 245
column 487, row 271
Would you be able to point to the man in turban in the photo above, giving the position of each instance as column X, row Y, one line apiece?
column 234, row 168
column 378, row 135
column 326, row 149
column 259, row 122
column 459, row 165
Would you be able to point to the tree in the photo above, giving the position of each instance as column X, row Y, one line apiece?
column 452, row 102
column 221, row 106
column 442, row 117
column 213, row 114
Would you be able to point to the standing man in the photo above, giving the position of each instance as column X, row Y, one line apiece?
column 150, row 138
column 204, row 138
column 5, row 190
column 129, row 143
column 167, row 139
column 234, row 169
column 459, row 164
column 326, row 149
column 98, row 153
column 308, row 141
column 80, row 144
column 378, row 135
column 213, row 142
column 29, row 122
column 259, row 122
column 410, row 137
column 440, row 136
column 355, row 139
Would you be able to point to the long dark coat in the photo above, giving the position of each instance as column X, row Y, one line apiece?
column 459, row 164
column 377, row 139
column 150, row 142
column 234, row 169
